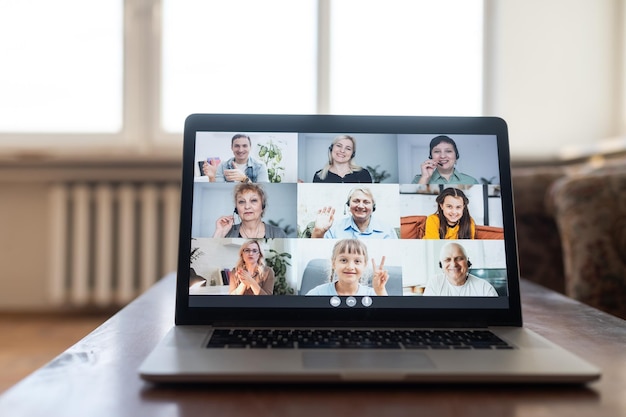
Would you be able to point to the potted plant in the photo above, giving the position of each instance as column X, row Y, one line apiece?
column 378, row 177
column 288, row 229
column 272, row 155
column 279, row 262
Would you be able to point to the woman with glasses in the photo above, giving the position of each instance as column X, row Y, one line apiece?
column 251, row 276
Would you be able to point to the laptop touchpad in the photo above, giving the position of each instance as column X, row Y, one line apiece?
column 366, row 360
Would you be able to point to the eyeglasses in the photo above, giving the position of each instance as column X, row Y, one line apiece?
column 253, row 251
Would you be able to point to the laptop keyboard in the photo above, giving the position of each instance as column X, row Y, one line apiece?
column 355, row 339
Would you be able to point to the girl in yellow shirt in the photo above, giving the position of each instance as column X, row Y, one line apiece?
column 452, row 219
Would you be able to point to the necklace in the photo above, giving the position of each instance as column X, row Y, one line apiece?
column 247, row 235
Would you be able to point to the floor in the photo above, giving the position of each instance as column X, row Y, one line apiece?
column 31, row 340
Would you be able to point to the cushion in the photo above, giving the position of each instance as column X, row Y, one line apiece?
column 412, row 227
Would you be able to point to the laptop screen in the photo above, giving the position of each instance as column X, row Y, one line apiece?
column 346, row 217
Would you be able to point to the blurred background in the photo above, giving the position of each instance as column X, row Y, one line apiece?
column 94, row 94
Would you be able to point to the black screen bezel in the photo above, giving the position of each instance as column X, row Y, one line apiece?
column 372, row 317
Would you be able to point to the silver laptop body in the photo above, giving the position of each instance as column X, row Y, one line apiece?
column 294, row 320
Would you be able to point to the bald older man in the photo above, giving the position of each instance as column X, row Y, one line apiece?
column 456, row 279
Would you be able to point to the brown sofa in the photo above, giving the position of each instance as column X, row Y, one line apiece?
column 538, row 238
column 571, row 229
column 590, row 212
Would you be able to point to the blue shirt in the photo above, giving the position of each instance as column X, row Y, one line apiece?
column 255, row 170
column 347, row 229
column 456, row 178
column 329, row 289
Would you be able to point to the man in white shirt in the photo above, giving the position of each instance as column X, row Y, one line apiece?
column 456, row 279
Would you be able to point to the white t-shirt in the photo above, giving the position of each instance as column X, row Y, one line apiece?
column 473, row 287
column 241, row 167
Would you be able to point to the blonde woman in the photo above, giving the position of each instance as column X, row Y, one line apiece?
column 340, row 167
column 251, row 276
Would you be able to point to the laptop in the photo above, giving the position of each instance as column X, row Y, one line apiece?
column 350, row 249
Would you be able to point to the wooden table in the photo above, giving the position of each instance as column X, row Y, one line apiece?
column 98, row 376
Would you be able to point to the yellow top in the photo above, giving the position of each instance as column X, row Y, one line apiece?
column 432, row 229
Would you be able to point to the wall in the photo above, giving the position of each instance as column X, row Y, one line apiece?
column 555, row 72
column 24, row 236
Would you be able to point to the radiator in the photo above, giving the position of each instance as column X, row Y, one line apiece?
column 110, row 241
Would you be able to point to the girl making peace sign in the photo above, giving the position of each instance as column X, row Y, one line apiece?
column 348, row 263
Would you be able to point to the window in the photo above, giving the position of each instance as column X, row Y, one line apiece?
column 61, row 66
column 128, row 72
column 406, row 57
column 237, row 57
